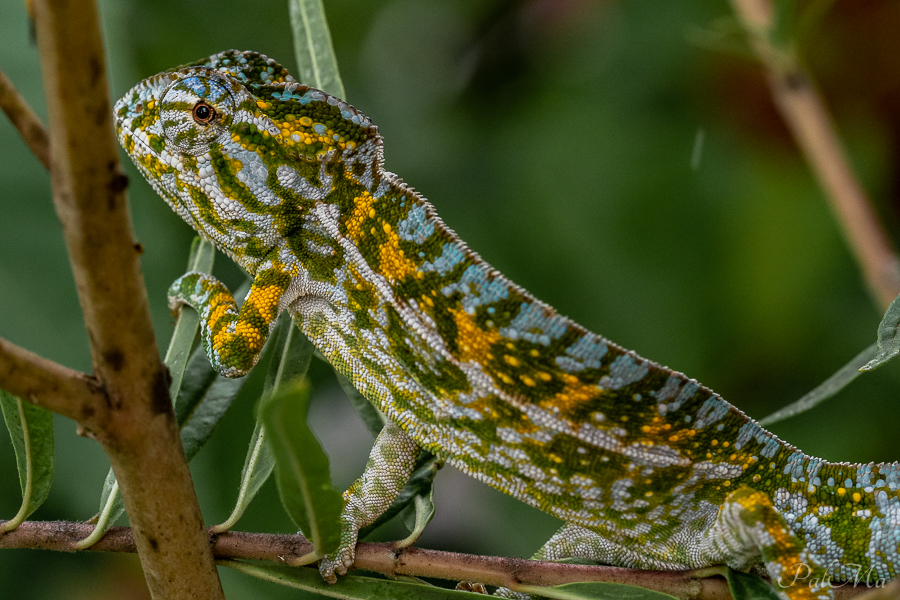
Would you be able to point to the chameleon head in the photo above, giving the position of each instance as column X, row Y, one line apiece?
column 226, row 141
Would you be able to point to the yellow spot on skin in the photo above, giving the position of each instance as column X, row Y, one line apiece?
column 648, row 494
column 392, row 263
column 645, row 428
column 555, row 458
column 856, row 497
column 624, row 418
column 726, row 483
column 544, row 376
column 725, row 444
column 362, row 210
column 527, row 380
column 506, row 378
column 756, row 478
column 511, row 360
column 473, row 342
column 534, row 352
column 714, row 443
column 841, row 491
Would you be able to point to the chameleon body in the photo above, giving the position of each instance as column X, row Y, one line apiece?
column 646, row 467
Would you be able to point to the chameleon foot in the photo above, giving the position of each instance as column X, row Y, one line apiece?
column 337, row 564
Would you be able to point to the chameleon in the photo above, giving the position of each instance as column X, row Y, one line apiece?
column 646, row 467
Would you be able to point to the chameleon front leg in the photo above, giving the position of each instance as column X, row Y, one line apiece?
column 232, row 338
column 390, row 464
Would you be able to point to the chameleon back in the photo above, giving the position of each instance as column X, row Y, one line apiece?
column 288, row 179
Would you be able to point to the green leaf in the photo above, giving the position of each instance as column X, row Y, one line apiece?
column 258, row 465
column 744, row 586
column 371, row 417
column 350, row 587
column 31, row 431
column 301, row 467
column 594, row 590
column 293, row 353
column 203, row 401
column 313, row 48
column 824, row 391
column 416, row 516
column 200, row 259
column 888, row 338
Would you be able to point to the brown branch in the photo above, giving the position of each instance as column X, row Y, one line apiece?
column 383, row 558
column 808, row 119
column 139, row 433
column 24, row 120
column 50, row 385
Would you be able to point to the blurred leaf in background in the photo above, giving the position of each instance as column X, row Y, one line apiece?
column 559, row 138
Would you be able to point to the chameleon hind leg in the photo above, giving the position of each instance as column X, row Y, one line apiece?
column 573, row 541
column 232, row 338
column 748, row 528
column 390, row 464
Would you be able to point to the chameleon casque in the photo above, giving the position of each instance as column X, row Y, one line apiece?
column 646, row 467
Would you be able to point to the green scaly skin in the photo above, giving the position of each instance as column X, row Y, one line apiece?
column 647, row 468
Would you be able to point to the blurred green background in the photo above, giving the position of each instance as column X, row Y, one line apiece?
column 618, row 159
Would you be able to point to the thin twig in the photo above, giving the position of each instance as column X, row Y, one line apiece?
column 384, row 558
column 140, row 435
column 24, row 120
column 50, row 385
column 802, row 108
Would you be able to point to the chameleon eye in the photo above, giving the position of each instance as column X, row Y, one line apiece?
column 203, row 113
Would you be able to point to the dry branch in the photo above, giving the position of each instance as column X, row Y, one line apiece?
column 138, row 433
column 383, row 558
column 804, row 111
column 24, row 120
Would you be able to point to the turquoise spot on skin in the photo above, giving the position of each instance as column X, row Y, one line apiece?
column 451, row 256
column 415, row 227
column 623, row 371
column 477, row 288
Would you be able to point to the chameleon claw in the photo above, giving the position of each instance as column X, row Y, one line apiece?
column 337, row 564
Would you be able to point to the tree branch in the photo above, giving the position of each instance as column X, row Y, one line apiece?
column 383, row 558
column 50, row 385
column 139, row 433
column 805, row 113
column 24, row 120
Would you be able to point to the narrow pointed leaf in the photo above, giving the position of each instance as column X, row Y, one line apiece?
column 349, row 587
column 292, row 355
column 301, row 467
column 31, row 431
column 372, row 418
column 824, row 391
column 888, row 337
column 744, row 586
column 593, row 590
column 258, row 465
column 201, row 259
column 312, row 47
column 416, row 516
